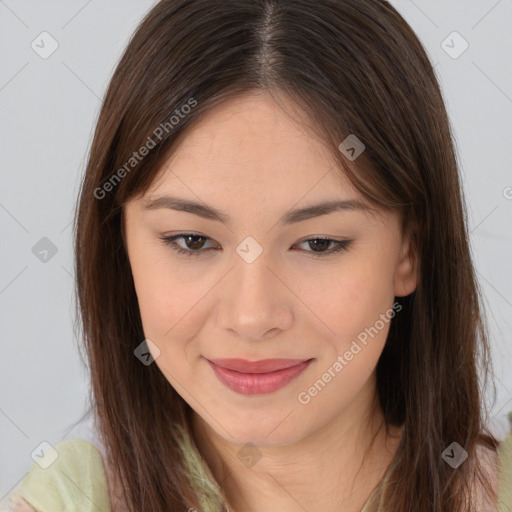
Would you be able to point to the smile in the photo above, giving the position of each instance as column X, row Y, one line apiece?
column 258, row 377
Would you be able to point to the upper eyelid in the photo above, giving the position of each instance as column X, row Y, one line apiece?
column 209, row 238
column 344, row 243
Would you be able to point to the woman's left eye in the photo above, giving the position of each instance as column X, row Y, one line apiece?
column 194, row 244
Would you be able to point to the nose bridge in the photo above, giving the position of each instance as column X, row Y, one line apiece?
column 253, row 278
column 255, row 302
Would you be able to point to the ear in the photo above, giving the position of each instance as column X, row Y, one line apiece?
column 406, row 270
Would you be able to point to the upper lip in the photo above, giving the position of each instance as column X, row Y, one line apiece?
column 262, row 366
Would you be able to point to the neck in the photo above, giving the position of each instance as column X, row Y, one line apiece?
column 333, row 468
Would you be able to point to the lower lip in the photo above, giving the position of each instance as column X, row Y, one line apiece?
column 258, row 383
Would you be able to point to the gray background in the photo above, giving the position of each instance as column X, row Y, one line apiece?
column 48, row 108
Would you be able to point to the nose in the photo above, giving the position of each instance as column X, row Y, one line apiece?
column 256, row 304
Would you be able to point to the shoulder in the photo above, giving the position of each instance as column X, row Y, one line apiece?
column 69, row 473
column 505, row 473
column 497, row 468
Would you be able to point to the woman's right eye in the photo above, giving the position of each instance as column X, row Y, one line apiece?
column 191, row 249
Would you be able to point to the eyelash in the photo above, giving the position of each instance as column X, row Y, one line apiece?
column 341, row 245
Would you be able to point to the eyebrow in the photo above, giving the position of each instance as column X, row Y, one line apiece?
column 290, row 217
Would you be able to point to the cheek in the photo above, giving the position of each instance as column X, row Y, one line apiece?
column 169, row 300
column 153, row 279
column 359, row 312
column 149, row 286
column 358, row 295
column 359, row 309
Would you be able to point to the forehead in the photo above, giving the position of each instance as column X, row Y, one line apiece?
column 250, row 145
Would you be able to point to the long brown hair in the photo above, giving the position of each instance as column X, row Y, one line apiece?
column 352, row 67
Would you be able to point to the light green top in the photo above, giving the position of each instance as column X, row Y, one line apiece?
column 77, row 479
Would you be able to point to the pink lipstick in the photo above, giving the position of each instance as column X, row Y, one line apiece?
column 257, row 377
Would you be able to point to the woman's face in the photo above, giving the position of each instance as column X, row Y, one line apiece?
column 258, row 284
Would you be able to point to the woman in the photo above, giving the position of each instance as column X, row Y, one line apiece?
column 276, row 292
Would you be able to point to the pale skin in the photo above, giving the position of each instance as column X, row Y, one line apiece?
column 250, row 160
